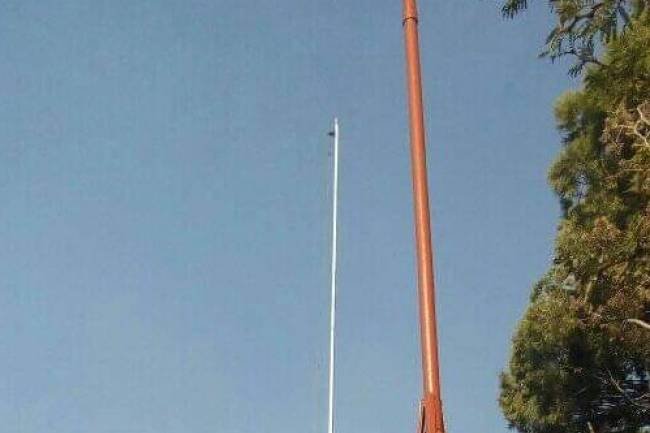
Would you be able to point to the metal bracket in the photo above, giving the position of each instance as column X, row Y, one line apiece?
column 430, row 420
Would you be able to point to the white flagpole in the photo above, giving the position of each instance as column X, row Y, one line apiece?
column 330, row 419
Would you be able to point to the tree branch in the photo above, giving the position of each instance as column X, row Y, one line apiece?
column 641, row 323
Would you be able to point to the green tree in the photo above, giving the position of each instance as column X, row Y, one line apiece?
column 581, row 354
column 582, row 25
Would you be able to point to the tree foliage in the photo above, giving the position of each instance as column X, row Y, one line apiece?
column 581, row 354
column 582, row 25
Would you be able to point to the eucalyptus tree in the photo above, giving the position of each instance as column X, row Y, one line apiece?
column 580, row 360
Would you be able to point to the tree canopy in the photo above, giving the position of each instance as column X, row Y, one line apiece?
column 582, row 25
column 581, row 354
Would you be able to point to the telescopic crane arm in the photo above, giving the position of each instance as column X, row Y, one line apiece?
column 431, row 419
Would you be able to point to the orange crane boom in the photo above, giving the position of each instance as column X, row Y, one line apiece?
column 431, row 419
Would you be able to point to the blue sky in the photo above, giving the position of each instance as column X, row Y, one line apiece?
column 164, row 217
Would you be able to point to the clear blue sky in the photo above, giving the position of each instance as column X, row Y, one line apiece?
column 164, row 211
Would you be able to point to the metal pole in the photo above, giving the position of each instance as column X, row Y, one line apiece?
column 431, row 420
column 330, row 417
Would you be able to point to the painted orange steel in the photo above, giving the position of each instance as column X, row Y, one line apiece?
column 431, row 419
